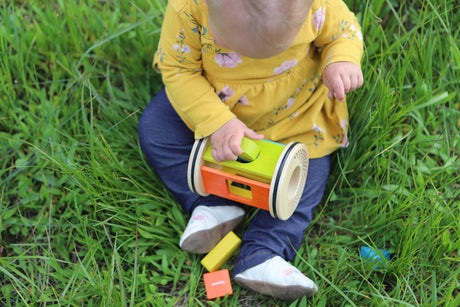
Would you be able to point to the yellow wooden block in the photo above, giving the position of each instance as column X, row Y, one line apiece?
column 221, row 252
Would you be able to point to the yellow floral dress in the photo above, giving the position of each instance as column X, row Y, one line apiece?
column 282, row 97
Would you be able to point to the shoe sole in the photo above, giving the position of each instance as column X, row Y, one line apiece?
column 282, row 292
column 204, row 241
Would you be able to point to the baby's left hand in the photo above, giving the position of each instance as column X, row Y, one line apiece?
column 342, row 78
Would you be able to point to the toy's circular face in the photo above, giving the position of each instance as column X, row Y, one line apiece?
column 288, row 181
column 294, row 182
column 194, row 177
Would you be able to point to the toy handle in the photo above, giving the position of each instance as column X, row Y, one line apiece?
column 250, row 150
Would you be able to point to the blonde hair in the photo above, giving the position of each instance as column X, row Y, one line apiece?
column 258, row 28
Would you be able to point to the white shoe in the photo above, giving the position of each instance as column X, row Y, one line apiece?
column 277, row 278
column 208, row 225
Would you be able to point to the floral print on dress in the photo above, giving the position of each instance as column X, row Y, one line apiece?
column 161, row 54
column 196, row 26
column 243, row 100
column 228, row 59
column 314, row 80
column 342, row 137
column 293, row 115
column 184, row 49
column 318, row 18
column 287, row 65
column 226, row 93
column 348, row 30
column 319, row 135
column 292, row 98
column 289, row 103
column 181, row 49
column 279, row 110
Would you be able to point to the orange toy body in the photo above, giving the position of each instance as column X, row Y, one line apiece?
column 229, row 186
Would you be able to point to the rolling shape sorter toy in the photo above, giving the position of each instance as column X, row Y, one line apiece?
column 268, row 175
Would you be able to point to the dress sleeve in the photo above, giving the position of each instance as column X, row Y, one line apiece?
column 178, row 58
column 339, row 36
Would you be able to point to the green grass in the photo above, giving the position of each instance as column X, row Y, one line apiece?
column 84, row 220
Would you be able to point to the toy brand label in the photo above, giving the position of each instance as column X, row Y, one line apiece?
column 220, row 282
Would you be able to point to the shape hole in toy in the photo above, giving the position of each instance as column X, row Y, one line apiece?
column 240, row 189
column 241, row 160
column 294, row 181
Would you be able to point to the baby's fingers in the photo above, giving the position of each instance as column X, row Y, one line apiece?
column 223, row 153
column 234, row 147
column 339, row 88
column 335, row 86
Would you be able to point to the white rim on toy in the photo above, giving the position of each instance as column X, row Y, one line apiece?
column 288, row 181
column 194, row 177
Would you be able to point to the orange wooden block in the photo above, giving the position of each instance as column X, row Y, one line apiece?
column 218, row 182
column 217, row 284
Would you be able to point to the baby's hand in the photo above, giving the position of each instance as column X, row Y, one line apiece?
column 226, row 141
column 342, row 78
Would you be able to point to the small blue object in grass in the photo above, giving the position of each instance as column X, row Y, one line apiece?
column 372, row 255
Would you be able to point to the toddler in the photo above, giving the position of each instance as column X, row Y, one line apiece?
column 269, row 69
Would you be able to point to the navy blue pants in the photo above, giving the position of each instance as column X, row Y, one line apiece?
column 167, row 143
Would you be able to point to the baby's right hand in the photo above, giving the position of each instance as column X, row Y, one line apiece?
column 226, row 141
column 341, row 78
